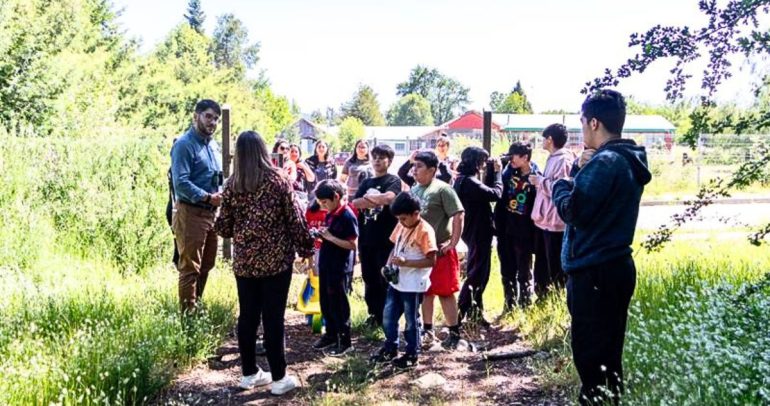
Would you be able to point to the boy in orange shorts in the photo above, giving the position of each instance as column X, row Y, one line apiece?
column 441, row 208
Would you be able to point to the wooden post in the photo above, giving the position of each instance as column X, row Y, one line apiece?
column 487, row 140
column 227, row 250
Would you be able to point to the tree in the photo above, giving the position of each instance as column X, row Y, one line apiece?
column 734, row 30
column 364, row 106
column 230, row 46
column 411, row 109
column 351, row 129
column 195, row 16
column 446, row 96
column 515, row 102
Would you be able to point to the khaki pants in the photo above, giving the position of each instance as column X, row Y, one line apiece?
column 197, row 243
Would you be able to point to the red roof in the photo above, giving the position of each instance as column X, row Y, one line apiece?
column 469, row 120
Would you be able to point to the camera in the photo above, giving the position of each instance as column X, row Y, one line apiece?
column 390, row 272
column 315, row 233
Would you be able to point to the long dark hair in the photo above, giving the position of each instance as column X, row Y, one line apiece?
column 471, row 159
column 354, row 157
column 251, row 162
column 315, row 150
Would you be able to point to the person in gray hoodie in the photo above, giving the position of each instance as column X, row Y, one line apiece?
column 600, row 207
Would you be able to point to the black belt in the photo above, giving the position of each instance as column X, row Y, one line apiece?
column 199, row 205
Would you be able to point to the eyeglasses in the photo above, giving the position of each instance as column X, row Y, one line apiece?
column 283, row 148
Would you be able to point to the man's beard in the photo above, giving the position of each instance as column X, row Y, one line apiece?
column 204, row 130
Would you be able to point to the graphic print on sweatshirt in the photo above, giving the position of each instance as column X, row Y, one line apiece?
column 519, row 189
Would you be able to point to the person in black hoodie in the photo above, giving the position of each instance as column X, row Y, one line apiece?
column 515, row 229
column 477, row 234
column 600, row 206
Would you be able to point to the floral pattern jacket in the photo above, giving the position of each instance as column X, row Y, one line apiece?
column 267, row 227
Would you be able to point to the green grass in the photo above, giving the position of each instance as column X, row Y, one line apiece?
column 695, row 335
column 88, row 335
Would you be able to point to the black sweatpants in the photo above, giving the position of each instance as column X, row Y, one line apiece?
column 375, row 286
column 479, row 264
column 335, row 307
column 515, row 270
column 548, row 270
column 263, row 298
column 598, row 300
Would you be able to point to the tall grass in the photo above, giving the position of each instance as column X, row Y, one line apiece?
column 89, row 309
column 697, row 333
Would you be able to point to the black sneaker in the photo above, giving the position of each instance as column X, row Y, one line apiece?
column 340, row 350
column 325, row 341
column 382, row 355
column 451, row 342
column 405, row 361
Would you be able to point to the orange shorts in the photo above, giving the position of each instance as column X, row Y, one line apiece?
column 445, row 276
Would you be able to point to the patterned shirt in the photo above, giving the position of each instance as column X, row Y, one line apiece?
column 267, row 227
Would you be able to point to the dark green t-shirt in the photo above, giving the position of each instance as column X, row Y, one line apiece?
column 438, row 203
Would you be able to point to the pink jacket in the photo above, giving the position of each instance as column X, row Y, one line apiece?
column 544, row 212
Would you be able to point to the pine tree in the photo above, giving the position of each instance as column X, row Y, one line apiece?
column 195, row 16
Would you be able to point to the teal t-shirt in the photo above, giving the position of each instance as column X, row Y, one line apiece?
column 438, row 203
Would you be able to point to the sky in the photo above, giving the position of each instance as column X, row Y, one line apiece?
column 317, row 53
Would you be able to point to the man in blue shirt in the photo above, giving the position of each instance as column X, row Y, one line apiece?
column 196, row 171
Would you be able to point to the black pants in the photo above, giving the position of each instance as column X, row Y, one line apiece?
column 479, row 263
column 515, row 269
column 335, row 307
column 263, row 298
column 375, row 285
column 548, row 270
column 598, row 300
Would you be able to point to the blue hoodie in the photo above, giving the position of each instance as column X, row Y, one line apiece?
column 601, row 205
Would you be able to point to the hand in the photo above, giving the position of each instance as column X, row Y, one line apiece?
column 536, row 180
column 325, row 233
column 400, row 261
column 586, row 156
column 497, row 164
column 446, row 247
column 215, row 199
column 411, row 157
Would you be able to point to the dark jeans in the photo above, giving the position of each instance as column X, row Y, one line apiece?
column 548, row 270
column 335, row 307
column 263, row 298
column 598, row 300
column 479, row 263
column 396, row 304
column 375, row 285
column 515, row 269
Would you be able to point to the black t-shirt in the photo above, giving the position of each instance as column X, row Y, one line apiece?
column 377, row 223
column 334, row 260
column 513, row 213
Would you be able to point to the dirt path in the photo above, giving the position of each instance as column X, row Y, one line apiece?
column 459, row 377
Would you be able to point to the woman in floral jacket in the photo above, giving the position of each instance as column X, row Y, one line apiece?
column 259, row 212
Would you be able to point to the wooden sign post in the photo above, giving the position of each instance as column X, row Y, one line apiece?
column 227, row 250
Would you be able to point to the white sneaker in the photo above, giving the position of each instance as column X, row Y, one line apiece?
column 258, row 379
column 286, row 384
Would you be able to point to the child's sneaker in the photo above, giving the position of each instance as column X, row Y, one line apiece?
column 287, row 383
column 340, row 350
column 383, row 355
column 325, row 341
column 427, row 337
column 258, row 379
column 405, row 361
column 451, row 342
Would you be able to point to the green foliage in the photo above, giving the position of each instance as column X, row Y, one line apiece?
column 104, row 200
column 411, row 109
column 364, row 106
column 195, row 15
column 515, row 102
column 230, row 46
column 351, row 129
column 446, row 96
